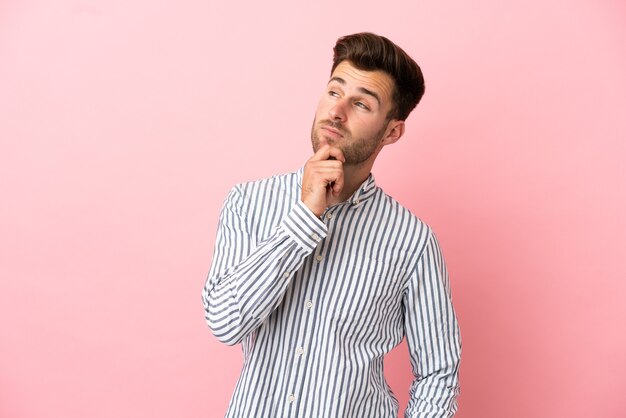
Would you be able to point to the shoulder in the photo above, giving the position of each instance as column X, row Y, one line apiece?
column 275, row 182
column 398, row 213
column 250, row 195
column 413, row 234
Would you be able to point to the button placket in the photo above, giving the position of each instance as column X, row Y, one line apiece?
column 319, row 252
column 302, row 344
column 308, row 304
column 300, row 350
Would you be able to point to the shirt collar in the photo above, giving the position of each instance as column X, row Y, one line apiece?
column 364, row 192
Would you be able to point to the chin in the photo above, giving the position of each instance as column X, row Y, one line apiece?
column 320, row 140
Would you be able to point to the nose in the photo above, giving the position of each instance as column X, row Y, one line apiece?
column 338, row 111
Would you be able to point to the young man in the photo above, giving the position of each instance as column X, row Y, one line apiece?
column 319, row 274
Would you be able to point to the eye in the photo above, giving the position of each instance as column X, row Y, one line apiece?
column 333, row 93
column 362, row 105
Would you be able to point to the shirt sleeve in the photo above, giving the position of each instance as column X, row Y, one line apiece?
column 433, row 338
column 247, row 282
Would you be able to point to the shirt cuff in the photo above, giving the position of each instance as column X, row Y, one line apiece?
column 306, row 229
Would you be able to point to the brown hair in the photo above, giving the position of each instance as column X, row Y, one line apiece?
column 371, row 52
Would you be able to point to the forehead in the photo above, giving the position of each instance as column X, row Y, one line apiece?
column 377, row 81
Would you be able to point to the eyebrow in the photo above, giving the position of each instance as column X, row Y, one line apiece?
column 361, row 89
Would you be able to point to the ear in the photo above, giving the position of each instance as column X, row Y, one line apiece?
column 395, row 130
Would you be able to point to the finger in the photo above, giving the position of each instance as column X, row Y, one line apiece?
column 337, row 185
column 330, row 177
column 322, row 153
column 337, row 154
column 326, row 151
column 326, row 170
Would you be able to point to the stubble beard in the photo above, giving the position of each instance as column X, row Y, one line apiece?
column 355, row 151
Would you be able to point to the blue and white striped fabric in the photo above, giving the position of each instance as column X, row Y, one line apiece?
column 318, row 302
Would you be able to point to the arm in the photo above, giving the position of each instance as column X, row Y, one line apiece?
column 433, row 338
column 246, row 284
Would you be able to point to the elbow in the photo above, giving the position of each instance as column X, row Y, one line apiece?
column 224, row 317
column 223, row 321
column 225, row 333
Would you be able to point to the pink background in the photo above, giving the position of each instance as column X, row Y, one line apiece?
column 124, row 123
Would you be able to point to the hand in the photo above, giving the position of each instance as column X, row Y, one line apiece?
column 322, row 179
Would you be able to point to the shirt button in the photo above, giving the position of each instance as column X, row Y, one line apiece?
column 299, row 351
column 291, row 398
column 318, row 258
column 315, row 237
column 286, row 275
column 356, row 201
column 308, row 304
column 329, row 215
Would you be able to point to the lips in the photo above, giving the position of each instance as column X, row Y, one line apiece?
column 332, row 130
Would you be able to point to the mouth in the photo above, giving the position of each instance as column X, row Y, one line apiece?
column 335, row 132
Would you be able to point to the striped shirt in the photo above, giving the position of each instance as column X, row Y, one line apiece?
column 318, row 302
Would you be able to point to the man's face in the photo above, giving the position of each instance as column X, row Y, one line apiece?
column 352, row 113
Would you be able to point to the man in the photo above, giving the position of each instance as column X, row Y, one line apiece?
column 319, row 274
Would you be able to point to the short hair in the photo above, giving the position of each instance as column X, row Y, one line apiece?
column 370, row 52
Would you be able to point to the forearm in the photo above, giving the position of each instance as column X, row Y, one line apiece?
column 433, row 337
column 242, row 296
column 244, row 288
column 434, row 396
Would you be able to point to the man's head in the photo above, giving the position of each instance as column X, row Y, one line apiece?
column 370, row 52
column 374, row 85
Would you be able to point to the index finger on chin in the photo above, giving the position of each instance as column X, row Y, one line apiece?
column 322, row 153
column 337, row 154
